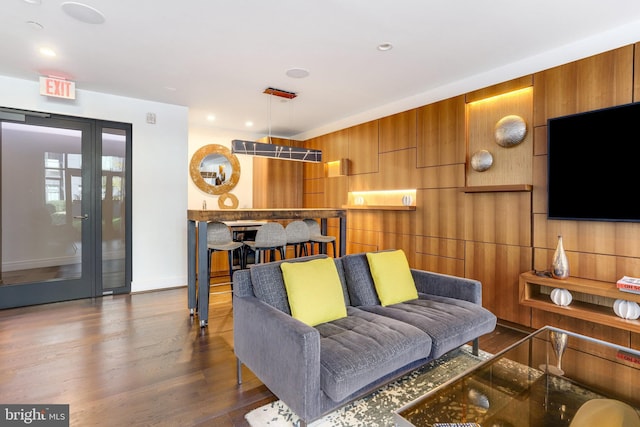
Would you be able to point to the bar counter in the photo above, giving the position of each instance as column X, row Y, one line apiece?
column 197, row 242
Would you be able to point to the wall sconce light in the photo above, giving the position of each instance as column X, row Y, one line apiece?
column 337, row 168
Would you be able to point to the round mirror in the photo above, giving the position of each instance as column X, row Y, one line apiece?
column 214, row 169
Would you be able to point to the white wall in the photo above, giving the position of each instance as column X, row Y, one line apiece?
column 201, row 136
column 160, row 153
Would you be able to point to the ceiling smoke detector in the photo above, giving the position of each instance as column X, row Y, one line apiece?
column 297, row 73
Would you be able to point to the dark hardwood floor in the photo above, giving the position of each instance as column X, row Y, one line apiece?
column 137, row 360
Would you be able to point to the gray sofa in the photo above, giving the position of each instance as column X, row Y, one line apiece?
column 315, row 370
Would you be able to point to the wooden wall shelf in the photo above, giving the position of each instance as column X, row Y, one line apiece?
column 531, row 296
column 498, row 188
column 379, row 207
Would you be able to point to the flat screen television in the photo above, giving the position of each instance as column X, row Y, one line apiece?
column 593, row 165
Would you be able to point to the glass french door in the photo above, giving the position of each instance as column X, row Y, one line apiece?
column 65, row 212
column 114, row 231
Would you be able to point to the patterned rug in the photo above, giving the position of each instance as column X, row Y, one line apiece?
column 375, row 410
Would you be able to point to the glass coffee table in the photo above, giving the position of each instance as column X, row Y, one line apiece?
column 545, row 380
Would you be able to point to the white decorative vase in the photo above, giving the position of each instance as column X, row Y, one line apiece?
column 561, row 297
column 560, row 263
column 626, row 309
column 407, row 200
column 359, row 201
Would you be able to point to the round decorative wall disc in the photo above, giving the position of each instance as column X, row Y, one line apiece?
column 481, row 160
column 227, row 201
column 510, row 130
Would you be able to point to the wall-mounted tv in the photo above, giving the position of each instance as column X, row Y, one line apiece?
column 593, row 165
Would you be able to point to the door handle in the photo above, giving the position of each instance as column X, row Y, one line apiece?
column 85, row 216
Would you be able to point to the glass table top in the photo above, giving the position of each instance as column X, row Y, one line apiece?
column 545, row 380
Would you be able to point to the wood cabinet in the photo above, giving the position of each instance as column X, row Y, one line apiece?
column 398, row 132
column 598, row 81
column 441, row 133
column 363, row 148
column 497, row 267
column 513, row 165
column 592, row 299
column 277, row 183
column 491, row 228
column 636, row 77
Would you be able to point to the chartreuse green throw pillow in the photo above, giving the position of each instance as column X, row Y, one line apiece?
column 314, row 291
column 392, row 277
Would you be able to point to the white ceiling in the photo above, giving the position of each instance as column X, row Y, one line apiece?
column 217, row 56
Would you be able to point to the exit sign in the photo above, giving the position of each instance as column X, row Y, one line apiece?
column 59, row 88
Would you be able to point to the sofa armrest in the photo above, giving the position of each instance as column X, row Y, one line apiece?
column 283, row 352
column 448, row 286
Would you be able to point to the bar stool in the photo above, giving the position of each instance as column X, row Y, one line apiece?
column 219, row 239
column 316, row 236
column 298, row 236
column 269, row 237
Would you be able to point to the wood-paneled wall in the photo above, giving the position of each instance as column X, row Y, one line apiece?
column 596, row 250
column 491, row 236
column 275, row 182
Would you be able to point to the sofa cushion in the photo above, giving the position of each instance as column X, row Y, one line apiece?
column 363, row 347
column 392, row 277
column 314, row 291
column 449, row 322
column 268, row 285
column 360, row 285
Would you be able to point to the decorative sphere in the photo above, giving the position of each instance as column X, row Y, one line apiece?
column 510, row 130
column 626, row 309
column 481, row 160
column 561, row 297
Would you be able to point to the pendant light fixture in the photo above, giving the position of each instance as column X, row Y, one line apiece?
column 275, row 151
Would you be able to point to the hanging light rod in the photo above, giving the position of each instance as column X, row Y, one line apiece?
column 279, row 92
column 275, row 151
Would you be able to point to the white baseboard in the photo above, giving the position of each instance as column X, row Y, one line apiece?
column 158, row 283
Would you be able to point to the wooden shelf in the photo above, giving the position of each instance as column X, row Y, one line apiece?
column 498, row 188
column 379, row 207
column 531, row 296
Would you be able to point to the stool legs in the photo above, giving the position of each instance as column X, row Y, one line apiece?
column 261, row 253
column 322, row 247
column 230, row 261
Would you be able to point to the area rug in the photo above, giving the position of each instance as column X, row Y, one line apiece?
column 376, row 409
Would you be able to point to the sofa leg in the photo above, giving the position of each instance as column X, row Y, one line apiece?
column 300, row 423
column 475, row 347
column 239, row 371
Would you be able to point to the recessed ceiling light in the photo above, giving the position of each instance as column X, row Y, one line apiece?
column 248, row 124
column 211, row 117
column 297, row 73
column 83, row 12
column 383, row 47
column 47, row 51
